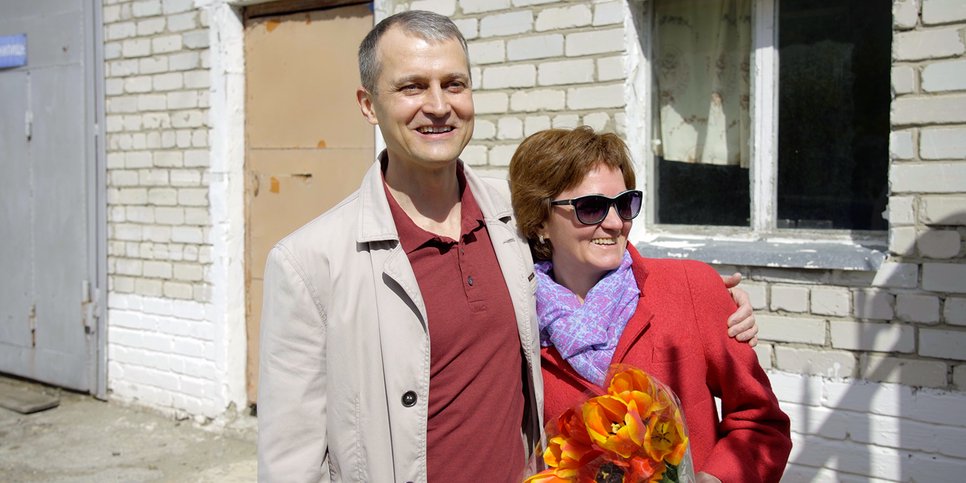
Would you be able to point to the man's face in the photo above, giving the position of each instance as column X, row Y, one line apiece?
column 423, row 102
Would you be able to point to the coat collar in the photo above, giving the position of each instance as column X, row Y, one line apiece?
column 375, row 218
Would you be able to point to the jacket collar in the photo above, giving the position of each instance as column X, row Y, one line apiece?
column 641, row 319
column 375, row 218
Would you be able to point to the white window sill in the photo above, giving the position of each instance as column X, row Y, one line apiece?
column 768, row 253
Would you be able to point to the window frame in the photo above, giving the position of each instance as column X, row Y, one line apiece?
column 762, row 233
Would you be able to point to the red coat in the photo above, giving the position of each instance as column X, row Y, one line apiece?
column 678, row 334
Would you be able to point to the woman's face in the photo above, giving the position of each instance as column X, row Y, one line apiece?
column 582, row 254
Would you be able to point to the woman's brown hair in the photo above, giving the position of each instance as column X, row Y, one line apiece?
column 548, row 162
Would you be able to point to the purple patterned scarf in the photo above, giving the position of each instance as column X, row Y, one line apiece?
column 586, row 334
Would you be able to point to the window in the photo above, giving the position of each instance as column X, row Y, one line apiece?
column 768, row 116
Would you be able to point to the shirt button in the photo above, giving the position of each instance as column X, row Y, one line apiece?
column 409, row 399
column 469, row 280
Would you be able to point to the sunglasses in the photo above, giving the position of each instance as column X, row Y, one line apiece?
column 592, row 209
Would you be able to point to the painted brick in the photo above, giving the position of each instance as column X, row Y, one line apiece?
column 150, row 27
column 595, row 42
column 566, row 72
column 183, row 100
column 153, row 177
column 597, row 120
column 944, row 210
column 509, row 76
column 184, row 61
column 873, row 304
column 158, row 234
column 943, row 11
column 927, row 44
column 608, row 13
column 183, row 22
column 153, row 65
column 474, row 155
column 917, row 308
column 873, row 336
column 155, row 269
column 187, row 234
column 127, row 266
column 167, row 81
column 525, row 3
column 757, row 292
column 469, row 27
column 959, row 377
column 176, row 6
column 902, row 241
column 509, row 128
column 831, row 301
column 905, row 13
column 152, row 102
column 146, row 8
column 198, row 39
column 168, row 43
column 188, row 272
column 902, row 210
column 791, row 329
column 897, row 275
column 596, row 97
column 150, row 288
column 169, row 159
column 610, row 68
column 120, row 31
column 913, row 110
column 501, row 155
column 484, row 129
column 487, row 52
column 512, row 23
column 566, row 121
column 944, row 277
column 169, row 216
column 954, row 310
column 490, row 102
column 537, row 100
column 564, row 18
column 939, row 244
column 477, row 6
column 112, row 50
column 944, row 76
column 196, row 158
column 932, row 177
column 178, row 290
column 536, row 47
column 944, row 344
column 903, row 79
column 442, row 7
column 163, row 196
column 533, row 124
column 197, row 79
column 789, row 298
column 764, row 353
column 943, row 143
column 901, row 145
column 815, row 362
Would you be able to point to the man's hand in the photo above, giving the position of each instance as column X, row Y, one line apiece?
column 703, row 477
column 741, row 324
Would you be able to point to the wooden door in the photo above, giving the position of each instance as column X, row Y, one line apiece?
column 307, row 144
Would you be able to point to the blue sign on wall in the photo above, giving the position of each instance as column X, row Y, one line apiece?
column 13, row 50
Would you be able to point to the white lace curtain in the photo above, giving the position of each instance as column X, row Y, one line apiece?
column 702, row 56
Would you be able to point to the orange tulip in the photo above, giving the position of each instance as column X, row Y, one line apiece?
column 614, row 425
column 631, row 379
column 666, row 438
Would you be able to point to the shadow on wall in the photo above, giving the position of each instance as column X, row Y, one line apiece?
column 864, row 429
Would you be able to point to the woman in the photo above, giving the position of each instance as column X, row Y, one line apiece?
column 600, row 302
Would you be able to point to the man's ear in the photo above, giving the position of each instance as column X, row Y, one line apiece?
column 365, row 105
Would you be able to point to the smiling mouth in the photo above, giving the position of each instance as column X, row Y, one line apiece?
column 435, row 129
column 604, row 241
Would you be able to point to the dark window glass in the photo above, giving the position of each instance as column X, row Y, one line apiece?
column 833, row 102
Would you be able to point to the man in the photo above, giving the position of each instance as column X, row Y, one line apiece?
column 399, row 336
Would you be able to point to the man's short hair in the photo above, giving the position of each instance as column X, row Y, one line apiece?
column 420, row 23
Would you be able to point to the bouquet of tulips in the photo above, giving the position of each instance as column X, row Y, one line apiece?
column 634, row 432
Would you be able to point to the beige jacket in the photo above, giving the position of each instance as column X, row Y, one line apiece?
column 344, row 337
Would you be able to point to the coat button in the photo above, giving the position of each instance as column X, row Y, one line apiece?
column 409, row 399
column 469, row 280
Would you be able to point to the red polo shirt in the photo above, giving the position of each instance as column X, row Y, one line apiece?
column 475, row 386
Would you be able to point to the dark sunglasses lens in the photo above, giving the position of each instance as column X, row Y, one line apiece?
column 629, row 204
column 591, row 209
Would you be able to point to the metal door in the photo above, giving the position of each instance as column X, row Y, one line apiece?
column 48, row 218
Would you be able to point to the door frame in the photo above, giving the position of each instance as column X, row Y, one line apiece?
column 97, row 199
